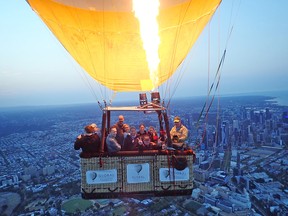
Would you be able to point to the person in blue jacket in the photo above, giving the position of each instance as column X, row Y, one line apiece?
column 112, row 144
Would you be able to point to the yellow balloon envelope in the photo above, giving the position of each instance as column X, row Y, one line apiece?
column 103, row 36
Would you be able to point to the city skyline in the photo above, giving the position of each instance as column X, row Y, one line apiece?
column 36, row 70
column 241, row 170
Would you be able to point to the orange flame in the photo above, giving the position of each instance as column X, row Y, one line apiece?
column 147, row 11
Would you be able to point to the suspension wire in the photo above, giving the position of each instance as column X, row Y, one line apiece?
column 107, row 93
column 211, row 102
column 113, row 96
column 100, row 88
column 71, row 47
column 218, row 75
column 218, row 104
column 182, row 66
column 104, row 92
column 208, row 83
column 88, row 83
column 217, row 123
column 230, row 29
column 231, row 22
column 84, row 75
column 104, row 47
column 208, row 109
column 88, row 49
column 177, row 83
column 180, row 21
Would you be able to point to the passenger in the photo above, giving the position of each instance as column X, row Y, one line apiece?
column 141, row 131
column 163, row 135
column 126, row 132
column 88, row 142
column 97, row 130
column 120, row 129
column 146, row 144
column 112, row 144
column 162, row 139
column 179, row 133
column 126, row 128
column 131, row 140
column 153, row 134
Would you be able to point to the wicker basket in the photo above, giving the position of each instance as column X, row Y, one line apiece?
column 101, row 175
column 138, row 174
column 123, row 175
column 168, row 178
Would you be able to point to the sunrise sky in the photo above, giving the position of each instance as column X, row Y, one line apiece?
column 36, row 70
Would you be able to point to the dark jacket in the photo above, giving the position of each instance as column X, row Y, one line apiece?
column 89, row 143
column 120, row 132
column 140, row 136
column 130, row 144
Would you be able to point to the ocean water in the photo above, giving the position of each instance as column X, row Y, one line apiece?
column 280, row 97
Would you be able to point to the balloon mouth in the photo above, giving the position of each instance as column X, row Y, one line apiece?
column 107, row 5
column 111, row 5
column 147, row 85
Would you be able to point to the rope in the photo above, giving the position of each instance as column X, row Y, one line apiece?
column 91, row 60
column 217, row 76
column 180, row 21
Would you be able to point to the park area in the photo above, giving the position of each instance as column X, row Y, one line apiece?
column 76, row 204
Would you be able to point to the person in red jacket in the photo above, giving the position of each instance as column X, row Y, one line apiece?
column 153, row 135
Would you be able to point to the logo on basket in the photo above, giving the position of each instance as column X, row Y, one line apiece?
column 93, row 175
column 138, row 168
column 166, row 173
column 138, row 173
column 101, row 176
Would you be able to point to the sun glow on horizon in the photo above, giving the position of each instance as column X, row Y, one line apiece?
column 147, row 12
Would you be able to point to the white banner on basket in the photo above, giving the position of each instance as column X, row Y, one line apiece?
column 138, row 173
column 166, row 174
column 101, row 176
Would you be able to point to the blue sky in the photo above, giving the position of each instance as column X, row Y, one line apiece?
column 36, row 70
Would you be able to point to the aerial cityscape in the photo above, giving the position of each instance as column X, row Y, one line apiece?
column 240, row 169
column 235, row 159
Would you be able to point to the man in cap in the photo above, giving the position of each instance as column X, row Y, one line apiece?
column 96, row 129
column 88, row 142
column 178, row 133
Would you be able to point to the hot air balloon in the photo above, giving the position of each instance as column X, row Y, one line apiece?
column 130, row 46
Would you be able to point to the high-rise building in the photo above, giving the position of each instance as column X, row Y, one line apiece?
column 268, row 114
column 48, row 170
column 285, row 117
column 31, row 170
column 224, row 133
